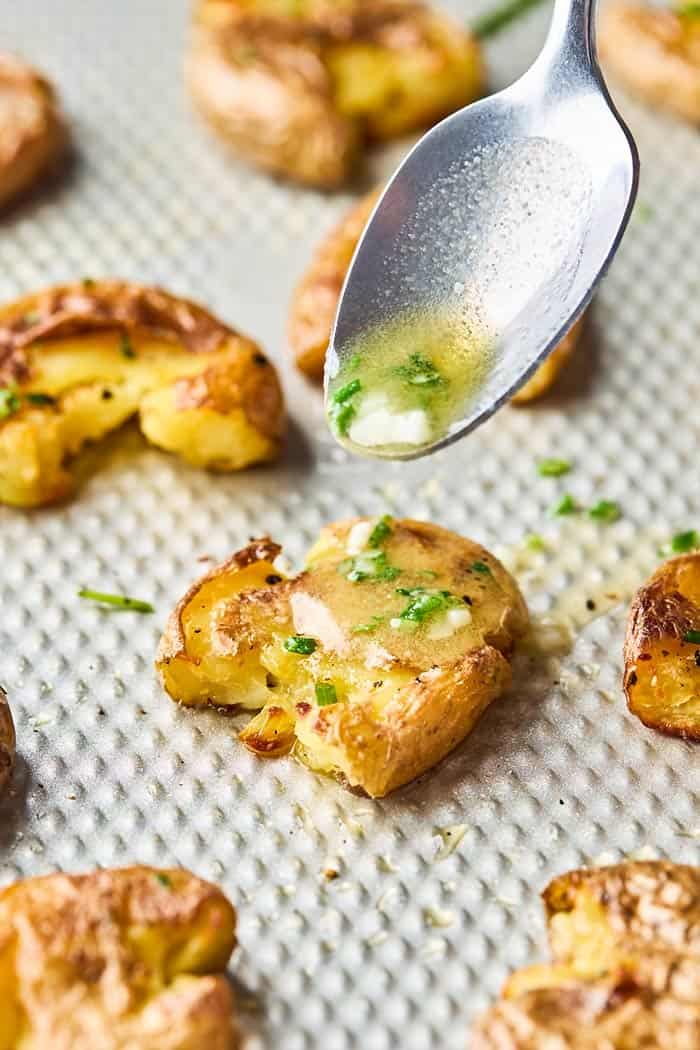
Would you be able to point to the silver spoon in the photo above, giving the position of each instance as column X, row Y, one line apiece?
column 506, row 216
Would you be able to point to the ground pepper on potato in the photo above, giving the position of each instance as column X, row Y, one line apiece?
column 301, row 88
column 77, row 361
column 370, row 665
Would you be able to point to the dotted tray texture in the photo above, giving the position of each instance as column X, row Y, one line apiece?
column 413, row 936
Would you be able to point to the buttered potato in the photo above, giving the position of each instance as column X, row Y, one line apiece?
column 300, row 87
column 7, row 741
column 662, row 649
column 77, row 361
column 371, row 665
column 625, row 972
column 655, row 51
column 316, row 298
column 125, row 959
column 32, row 130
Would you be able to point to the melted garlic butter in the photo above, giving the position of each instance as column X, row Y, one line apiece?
column 403, row 385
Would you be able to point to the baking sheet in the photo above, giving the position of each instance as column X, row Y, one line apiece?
column 410, row 940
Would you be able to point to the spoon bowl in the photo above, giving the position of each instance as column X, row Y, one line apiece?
column 497, row 227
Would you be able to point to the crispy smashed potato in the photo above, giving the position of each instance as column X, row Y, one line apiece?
column 77, row 361
column 7, row 741
column 371, row 665
column 662, row 649
column 315, row 303
column 32, row 132
column 299, row 87
column 128, row 959
column 656, row 53
column 625, row 971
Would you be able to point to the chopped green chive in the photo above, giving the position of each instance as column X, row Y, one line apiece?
column 125, row 346
column 566, row 505
column 605, row 510
column 354, row 361
column 425, row 604
column 9, row 402
column 41, row 399
column 371, row 625
column 300, row 644
column 118, row 601
column 342, row 416
column 370, row 565
column 692, row 636
column 419, row 371
column 482, row 567
column 494, row 21
column 325, row 694
column 345, row 393
column 535, row 542
column 553, row 468
column 683, row 542
column 163, row 879
column 381, row 532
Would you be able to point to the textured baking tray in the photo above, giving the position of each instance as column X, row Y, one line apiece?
column 410, row 940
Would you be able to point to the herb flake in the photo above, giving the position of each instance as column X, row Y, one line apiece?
column 419, row 371
column 566, row 505
column 553, row 468
column 692, row 636
column 370, row 565
column 40, row 399
column 325, row 694
column 125, row 346
column 9, row 402
column 425, row 603
column 300, row 644
column 381, row 532
column 606, row 511
column 116, row 601
column 683, row 542
column 481, row 567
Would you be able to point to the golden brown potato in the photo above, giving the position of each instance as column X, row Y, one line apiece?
column 662, row 649
column 656, row 53
column 299, row 87
column 625, row 971
column 78, row 361
column 315, row 303
column 7, row 741
column 128, row 959
column 371, row 665
column 32, row 131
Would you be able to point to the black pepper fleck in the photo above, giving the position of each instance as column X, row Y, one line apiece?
column 272, row 579
column 590, row 604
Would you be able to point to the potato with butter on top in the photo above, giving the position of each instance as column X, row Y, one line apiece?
column 301, row 87
column 33, row 134
column 662, row 649
column 315, row 302
column 78, row 361
column 655, row 52
column 625, row 972
column 123, row 959
column 7, row 741
column 370, row 665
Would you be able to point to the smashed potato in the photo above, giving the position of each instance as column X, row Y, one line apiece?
column 625, row 971
column 32, row 131
column 7, row 741
column 77, row 361
column 662, row 649
column 299, row 87
column 371, row 665
column 656, row 53
column 128, row 958
column 316, row 298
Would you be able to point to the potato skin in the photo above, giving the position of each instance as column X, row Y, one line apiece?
column 402, row 702
column 655, row 52
column 662, row 669
column 32, row 133
column 82, row 359
column 300, row 92
column 7, row 741
column 626, row 966
column 130, row 957
column 315, row 303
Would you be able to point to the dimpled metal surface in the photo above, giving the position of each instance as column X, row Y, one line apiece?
column 410, row 939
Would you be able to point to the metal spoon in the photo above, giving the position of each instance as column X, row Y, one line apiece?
column 508, row 214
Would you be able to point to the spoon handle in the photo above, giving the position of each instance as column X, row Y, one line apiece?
column 570, row 52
